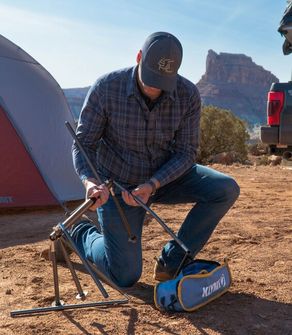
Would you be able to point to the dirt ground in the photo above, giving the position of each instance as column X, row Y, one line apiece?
column 256, row 236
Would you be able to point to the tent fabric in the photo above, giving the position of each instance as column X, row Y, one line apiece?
column 21, row 181
column 33, row 133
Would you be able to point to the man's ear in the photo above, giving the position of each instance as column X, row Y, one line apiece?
column 139, row 56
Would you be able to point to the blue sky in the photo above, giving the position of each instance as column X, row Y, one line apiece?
column 77, row 41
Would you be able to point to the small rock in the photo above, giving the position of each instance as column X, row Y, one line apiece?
column 226, row 158
column 45, row 254
column 274, row 160
column 8, row 291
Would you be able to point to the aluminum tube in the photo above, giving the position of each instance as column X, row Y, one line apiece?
column 156, row 217
column 63, row 307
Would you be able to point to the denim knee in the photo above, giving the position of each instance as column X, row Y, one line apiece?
column 127, row 278
column 230, row 190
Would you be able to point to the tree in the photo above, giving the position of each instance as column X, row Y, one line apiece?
column 221, row 131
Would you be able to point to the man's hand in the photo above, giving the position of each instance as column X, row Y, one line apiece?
column 99, row 192
column 142, row 191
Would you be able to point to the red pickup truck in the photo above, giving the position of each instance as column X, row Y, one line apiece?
column 278, row 131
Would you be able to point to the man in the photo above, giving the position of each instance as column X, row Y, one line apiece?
column 140, row 127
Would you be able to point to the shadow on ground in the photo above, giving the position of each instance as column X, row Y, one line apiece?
column 234, row 313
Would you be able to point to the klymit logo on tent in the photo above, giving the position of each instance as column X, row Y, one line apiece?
column 221, row 282
column 6, row 200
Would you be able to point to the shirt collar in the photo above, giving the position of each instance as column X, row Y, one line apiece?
column 132, row 86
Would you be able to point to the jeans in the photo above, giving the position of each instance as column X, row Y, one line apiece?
column 212, row 192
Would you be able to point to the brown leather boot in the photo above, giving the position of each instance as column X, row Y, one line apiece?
column 160, row 271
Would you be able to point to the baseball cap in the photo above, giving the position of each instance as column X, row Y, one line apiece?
column 161, row 59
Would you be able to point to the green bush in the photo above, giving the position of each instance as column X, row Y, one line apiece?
column 221, row 131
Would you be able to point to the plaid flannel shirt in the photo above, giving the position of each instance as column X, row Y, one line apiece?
column 131, row 144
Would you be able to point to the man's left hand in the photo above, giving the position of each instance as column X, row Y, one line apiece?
column 143, row 192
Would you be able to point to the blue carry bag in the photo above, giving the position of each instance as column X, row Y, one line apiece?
column 197, row 284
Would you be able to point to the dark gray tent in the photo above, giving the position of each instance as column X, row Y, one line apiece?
column 35, row 147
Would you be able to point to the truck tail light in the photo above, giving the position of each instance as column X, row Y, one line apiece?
column 274, row 107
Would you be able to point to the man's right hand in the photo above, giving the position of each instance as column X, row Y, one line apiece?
column 99, row 192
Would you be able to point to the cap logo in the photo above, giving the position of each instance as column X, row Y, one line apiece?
column 164, row 64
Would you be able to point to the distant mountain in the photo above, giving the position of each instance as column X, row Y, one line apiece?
column 231, row 81
column 75, row 98
column 235, row 82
